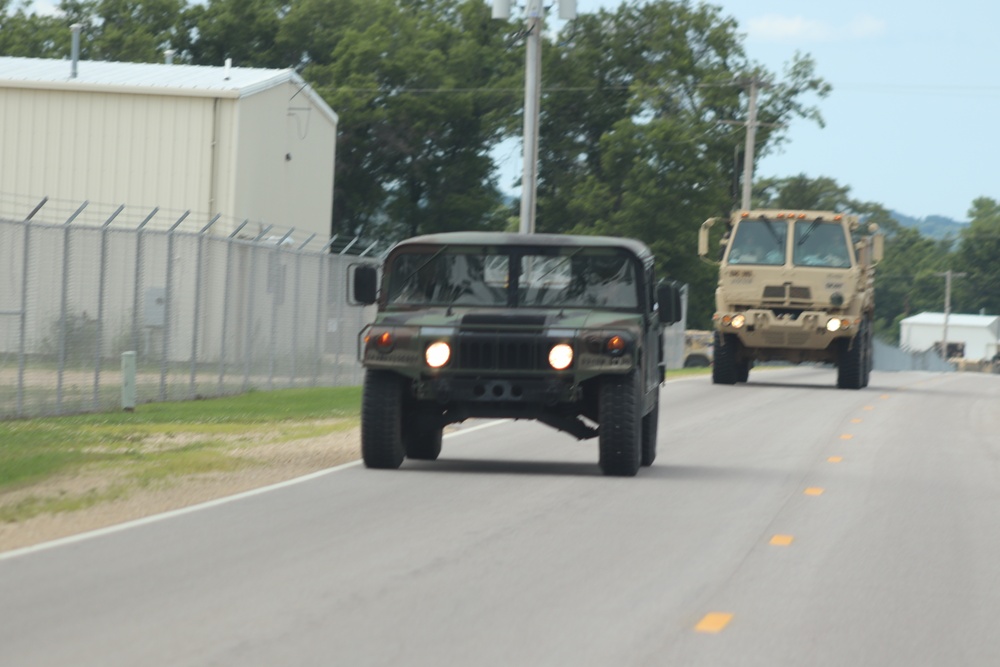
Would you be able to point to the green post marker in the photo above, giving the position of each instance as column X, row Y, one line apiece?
column 128, row 381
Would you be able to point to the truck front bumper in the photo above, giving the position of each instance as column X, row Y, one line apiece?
column 809, row 330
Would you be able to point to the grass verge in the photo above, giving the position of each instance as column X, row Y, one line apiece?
column 159, row 441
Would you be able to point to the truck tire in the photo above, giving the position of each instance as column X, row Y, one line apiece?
column 743, row 371
column 422, row 437
column 619, row 431
column 851, row 363
column 649, row 426
column 382, row 419
column 724, row 368
column 869, row 351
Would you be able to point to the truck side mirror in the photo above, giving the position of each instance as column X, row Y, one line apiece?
column 365, row 283
column 668, row 298
column 703, row 237
column 878, row 247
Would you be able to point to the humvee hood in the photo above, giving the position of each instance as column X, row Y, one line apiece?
column 519, row 318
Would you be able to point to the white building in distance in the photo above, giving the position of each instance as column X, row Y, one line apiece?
column 973, row 337
column 234, row 142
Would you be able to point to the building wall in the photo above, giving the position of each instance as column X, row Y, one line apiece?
column 980, row 342
column 107, row 148
column 284, row 167
column 208, row 155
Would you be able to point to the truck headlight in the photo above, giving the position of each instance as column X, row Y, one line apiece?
column 560, row 356
column 738, row 321
column 833, row 324
column 437, row 354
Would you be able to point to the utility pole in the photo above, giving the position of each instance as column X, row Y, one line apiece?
column 532, row 113
column 751, row 143
column 534, row 23
column 948, row 275
column 751, row 124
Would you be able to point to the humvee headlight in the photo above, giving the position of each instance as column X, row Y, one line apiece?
column 739, row 320
column 437, row 354
column 615, row 346
column 560, row 356
column 833, row 324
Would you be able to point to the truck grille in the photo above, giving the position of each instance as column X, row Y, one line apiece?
column 787, row 293
column 487, row 352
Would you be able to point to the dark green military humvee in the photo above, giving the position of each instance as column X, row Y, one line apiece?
column 566, row 330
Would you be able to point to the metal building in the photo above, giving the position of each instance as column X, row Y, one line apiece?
column 973, row 337
column 241, row 143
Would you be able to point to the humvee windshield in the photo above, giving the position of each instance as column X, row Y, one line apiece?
column 815, row 243
column 570, row 277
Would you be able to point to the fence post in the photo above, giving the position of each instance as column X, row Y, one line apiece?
column 22, row 353
column 64, row 306
column 101, row 282
column 197, row 304
column 168, row 305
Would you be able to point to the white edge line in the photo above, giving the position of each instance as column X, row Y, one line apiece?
column 154, row 518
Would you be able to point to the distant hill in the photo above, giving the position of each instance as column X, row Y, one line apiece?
column 933, row 226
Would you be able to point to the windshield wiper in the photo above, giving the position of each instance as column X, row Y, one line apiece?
column 809, row 230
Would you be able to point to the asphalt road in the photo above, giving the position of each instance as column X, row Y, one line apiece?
column 785, row 522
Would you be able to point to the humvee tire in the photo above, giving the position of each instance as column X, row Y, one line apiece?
column 724, row 369
column 381, row 419
column 620, row 430
column 422, row 436
column 649, row 427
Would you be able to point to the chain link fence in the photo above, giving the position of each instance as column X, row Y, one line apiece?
column 206, row 314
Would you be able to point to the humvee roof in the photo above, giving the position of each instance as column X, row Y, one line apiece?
column 637, row 248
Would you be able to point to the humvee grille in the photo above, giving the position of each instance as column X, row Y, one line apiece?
column 493, row 353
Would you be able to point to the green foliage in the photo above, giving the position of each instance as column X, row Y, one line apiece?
column 423, row 90
column 978, row 250
column 633, row 141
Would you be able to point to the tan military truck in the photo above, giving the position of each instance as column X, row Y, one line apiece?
column 794, row 286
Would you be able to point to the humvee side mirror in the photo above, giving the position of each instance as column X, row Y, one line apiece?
column 878, row 247
column 365, row 283
column 668, row 299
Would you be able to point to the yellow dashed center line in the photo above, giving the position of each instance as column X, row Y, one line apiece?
column 713, row 622
column 835, row 459
column 884, row 396
column 813, row 491
column 782, row 540
column 856, row 420
column 868, row 407
column 846, row 436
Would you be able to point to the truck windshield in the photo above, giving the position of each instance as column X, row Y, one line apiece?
column 821, row 244
column 759, row 242
column 570, row 277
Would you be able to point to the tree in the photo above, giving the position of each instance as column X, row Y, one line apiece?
column 28, row 35
column 978, row 250
column 125, row 30
column 247, row 31
column 423, row 90
column 633, row 140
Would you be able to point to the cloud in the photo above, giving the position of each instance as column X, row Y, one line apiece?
column 866, row 26
column 774, row 27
